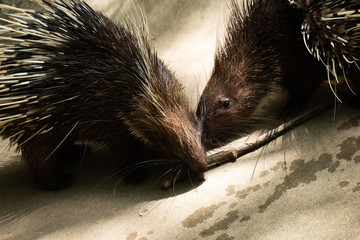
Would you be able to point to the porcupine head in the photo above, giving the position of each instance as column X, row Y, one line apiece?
column 261, row 69
column 72, row 75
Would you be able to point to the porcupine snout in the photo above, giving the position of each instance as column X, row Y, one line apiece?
column 196, row 159
column 180, row 137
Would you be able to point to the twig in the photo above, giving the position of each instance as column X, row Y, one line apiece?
column 233, row 154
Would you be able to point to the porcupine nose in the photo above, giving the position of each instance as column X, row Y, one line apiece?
column 199, row 164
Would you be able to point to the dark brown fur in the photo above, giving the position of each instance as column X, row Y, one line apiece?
column 104, row 85
column 261, row 70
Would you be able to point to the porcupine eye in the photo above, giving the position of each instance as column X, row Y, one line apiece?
column 226, row 103
column 223, row 102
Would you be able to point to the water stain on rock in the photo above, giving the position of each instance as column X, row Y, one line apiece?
column 352, row 123
column 234, row 204
column 344, row 184
column 244, row 192
column 357, row 159
column 200, row 215
column 357, row 188
column 224, row 236
column 223, row 224
column 264, row 173
column 348, row 148
column 132, row 236
column 266, row 184
column 256, row 187
column 230, row 190
column 301, row 172
column 334, row 166
column 244, row 219
column 279, row 165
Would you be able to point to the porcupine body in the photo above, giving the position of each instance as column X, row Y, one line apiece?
column 261, row 72
column 69, row 74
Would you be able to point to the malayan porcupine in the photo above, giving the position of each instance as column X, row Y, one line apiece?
column 263, row 69
column 69, row 74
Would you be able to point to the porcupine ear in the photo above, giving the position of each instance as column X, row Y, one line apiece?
column 331, row 32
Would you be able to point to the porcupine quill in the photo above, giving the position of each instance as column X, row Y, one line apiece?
column 331, row 33
column 69, row 74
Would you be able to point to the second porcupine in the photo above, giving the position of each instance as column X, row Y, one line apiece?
column 70, row 74
column 261, row 72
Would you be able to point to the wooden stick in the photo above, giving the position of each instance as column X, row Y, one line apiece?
column 243, row 149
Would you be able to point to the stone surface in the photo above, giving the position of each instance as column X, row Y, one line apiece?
column 305, row 185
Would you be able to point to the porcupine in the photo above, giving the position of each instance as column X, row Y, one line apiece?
column 262, row 72
column 70, row 74
column 331, row 34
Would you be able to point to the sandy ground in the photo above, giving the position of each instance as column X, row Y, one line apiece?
column 306, row 185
